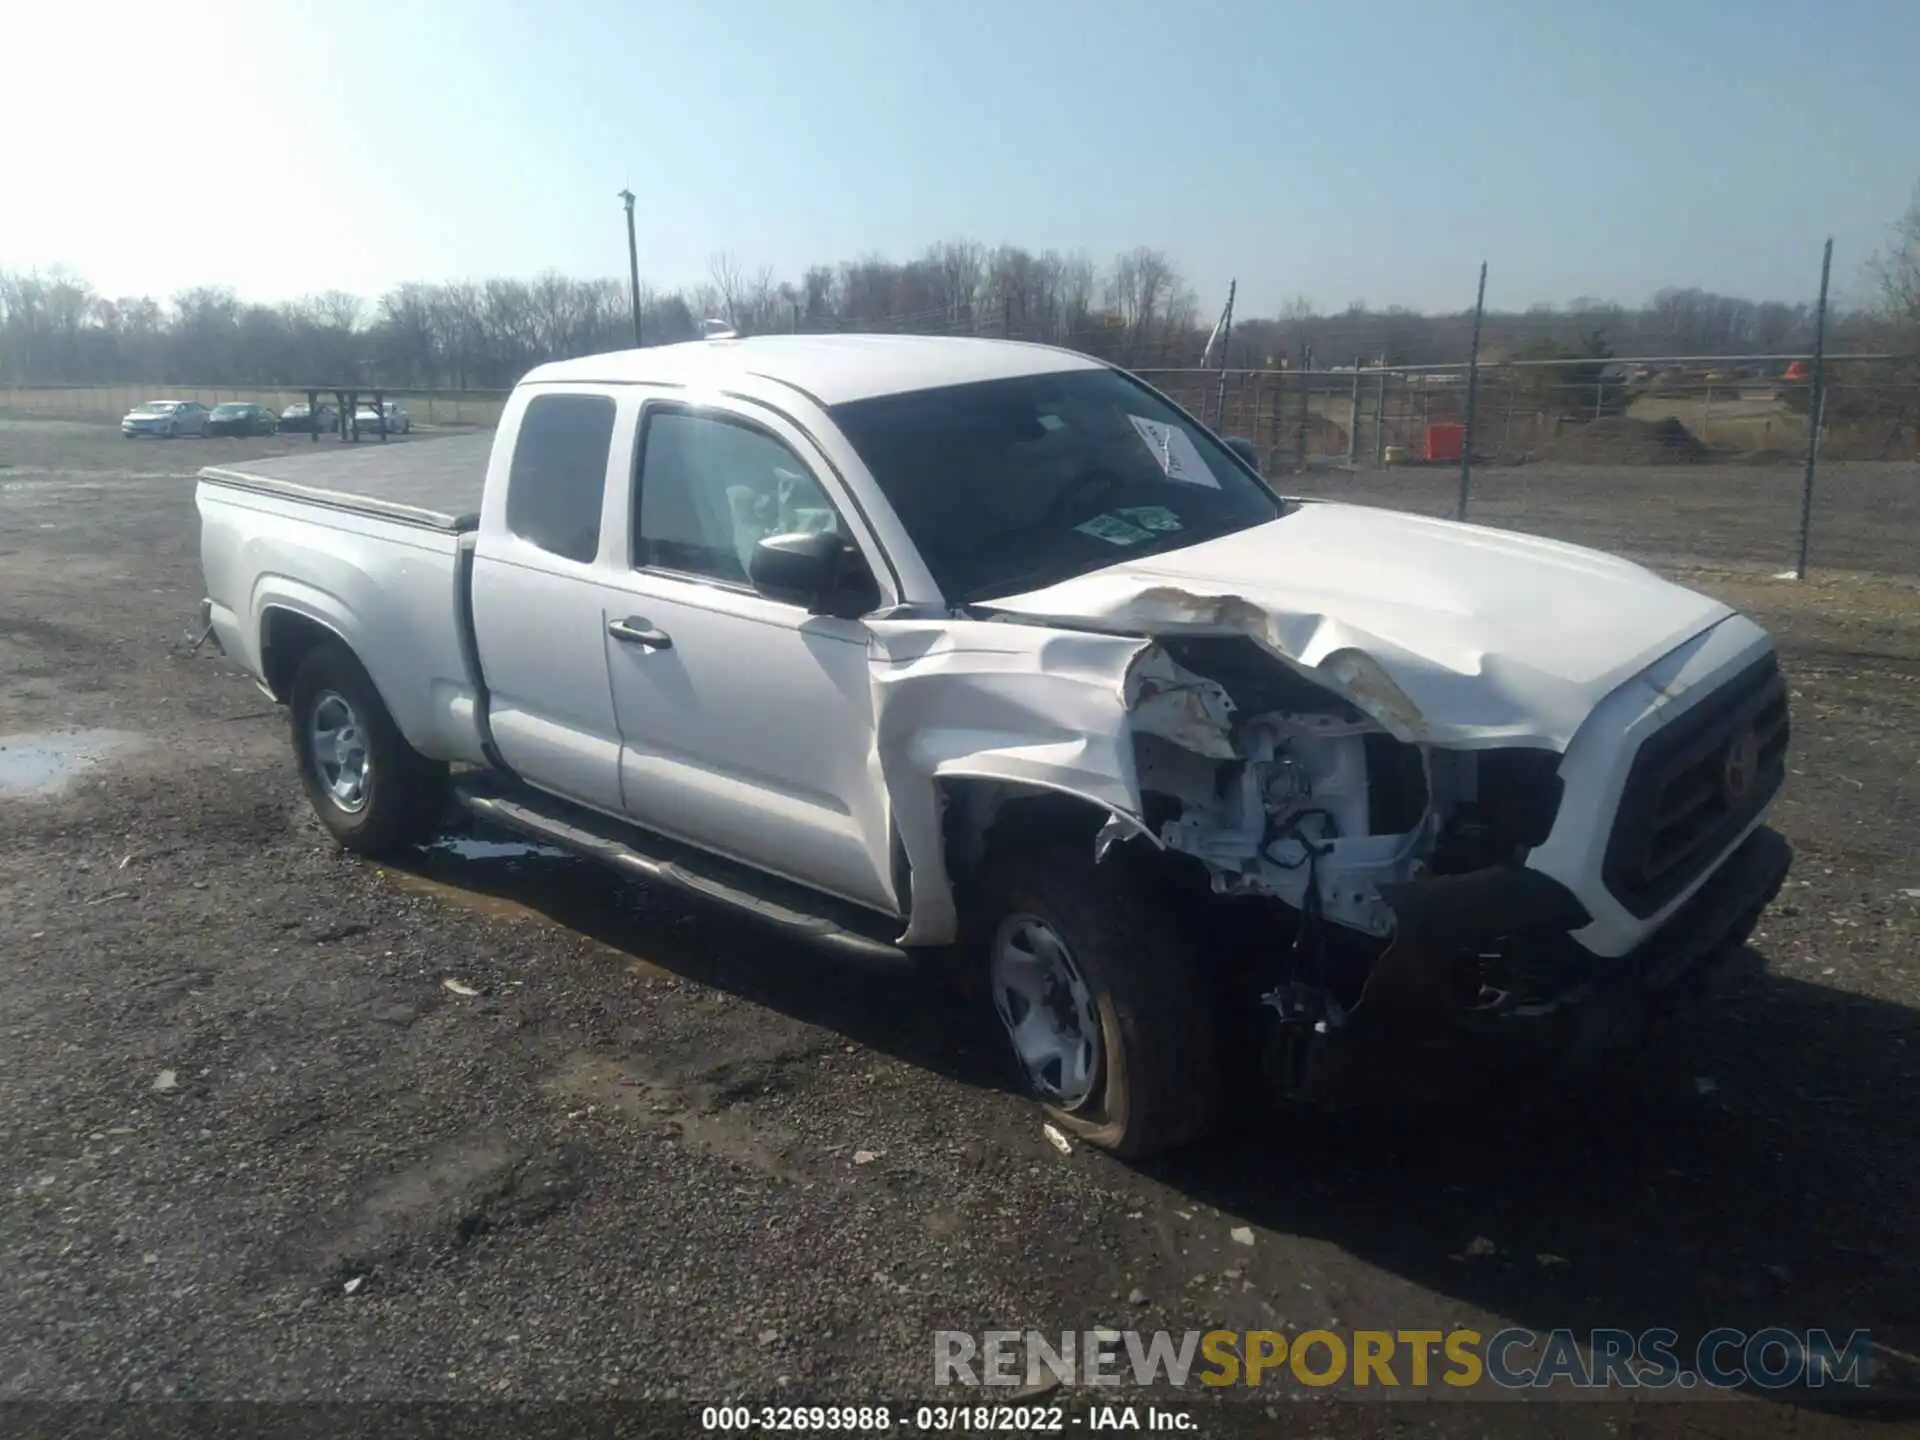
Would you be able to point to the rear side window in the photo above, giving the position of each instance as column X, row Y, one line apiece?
column 559, row 473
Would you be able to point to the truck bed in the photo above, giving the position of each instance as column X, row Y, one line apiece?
column 431, row 482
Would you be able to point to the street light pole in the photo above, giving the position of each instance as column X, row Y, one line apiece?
column 633, row 266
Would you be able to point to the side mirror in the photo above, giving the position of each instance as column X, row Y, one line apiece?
column 1246, row 450
column 810, row 568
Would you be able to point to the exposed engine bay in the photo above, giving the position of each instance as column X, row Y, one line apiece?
column 1282, row 788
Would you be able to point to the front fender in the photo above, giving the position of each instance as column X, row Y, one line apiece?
column 1038, row 708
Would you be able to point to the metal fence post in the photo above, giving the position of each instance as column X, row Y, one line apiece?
column 1380, row 416
column 1306, row 385
column 1816, row 403
column 1353, row 415
column 1473, row 394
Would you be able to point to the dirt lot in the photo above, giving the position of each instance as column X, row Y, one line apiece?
column 1725, row 515
column 254, row 1146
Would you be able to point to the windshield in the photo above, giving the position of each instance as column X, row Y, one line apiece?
column 155, row 407
column 1011, row 485
column 231, row 409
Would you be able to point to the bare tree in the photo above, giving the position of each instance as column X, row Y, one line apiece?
column 816, row 288
column 729, row 279
column 707, row 303
column 1896, row 273
column 336, row 309
column 1076, row 289
column 959, row 267
column 1142, row 288
column 759, row 305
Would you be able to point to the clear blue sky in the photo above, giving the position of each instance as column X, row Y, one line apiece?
column 1374, row 149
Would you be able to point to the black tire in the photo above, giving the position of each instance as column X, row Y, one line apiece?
column 403, row 792
column 1159, row 1084
column 173, row 430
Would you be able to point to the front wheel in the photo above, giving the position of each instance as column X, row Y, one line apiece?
column 173, row 431
column 372, row 790
column 1109, row 1017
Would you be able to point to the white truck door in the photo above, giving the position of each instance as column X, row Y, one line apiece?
column 746, row 724
column 536, row 590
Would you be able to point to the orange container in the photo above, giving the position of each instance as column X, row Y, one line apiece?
column 1444, row 441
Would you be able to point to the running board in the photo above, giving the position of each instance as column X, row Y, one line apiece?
column 593, row 836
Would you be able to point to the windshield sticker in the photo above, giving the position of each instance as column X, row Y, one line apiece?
column 1113, row 530
column 1173, row 452
column 1156, row 518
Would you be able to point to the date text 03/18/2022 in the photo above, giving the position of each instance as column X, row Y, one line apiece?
column 946, row 1419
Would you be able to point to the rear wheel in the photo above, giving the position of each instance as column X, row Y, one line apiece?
column 1107, row 1013
column 372, row 790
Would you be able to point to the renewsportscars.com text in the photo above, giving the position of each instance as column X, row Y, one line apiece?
column 1773, row 1358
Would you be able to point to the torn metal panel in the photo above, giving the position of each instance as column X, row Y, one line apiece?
column 1280, row 803
column 1170, row 701
column 1038, row 708
column 1446, row 634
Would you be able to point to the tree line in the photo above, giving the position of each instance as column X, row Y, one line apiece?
column 1138, row 309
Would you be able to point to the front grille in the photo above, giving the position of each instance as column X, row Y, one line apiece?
column 1695, row 785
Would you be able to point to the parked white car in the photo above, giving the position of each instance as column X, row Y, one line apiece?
column 369, row 420
column 167, row 419
column 987, row 652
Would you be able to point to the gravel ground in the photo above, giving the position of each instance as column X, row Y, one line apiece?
column 257, row 1146
column 1730, row 514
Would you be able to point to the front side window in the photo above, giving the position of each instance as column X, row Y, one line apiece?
column 711, row 488
column 559, row 473
column 1011, row 485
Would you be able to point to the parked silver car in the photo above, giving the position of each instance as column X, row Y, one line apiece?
column 369, row 421
column 169, row 419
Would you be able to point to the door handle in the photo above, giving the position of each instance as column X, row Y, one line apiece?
column 635, row 631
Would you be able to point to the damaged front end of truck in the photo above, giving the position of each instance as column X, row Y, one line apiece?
column 1377, row 832
column 1401, row 864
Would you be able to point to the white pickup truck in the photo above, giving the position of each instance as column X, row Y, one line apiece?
column 990, row 652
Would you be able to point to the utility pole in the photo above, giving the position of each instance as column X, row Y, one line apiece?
column 1226, row 343
column 633, row 266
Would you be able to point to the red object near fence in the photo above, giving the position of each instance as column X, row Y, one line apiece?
column 1444, row 442
column 1797, row 371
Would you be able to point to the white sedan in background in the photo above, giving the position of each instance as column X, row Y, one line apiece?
column 168, row 419
column 391, row 417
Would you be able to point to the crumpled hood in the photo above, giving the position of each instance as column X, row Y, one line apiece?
column 1446, row 633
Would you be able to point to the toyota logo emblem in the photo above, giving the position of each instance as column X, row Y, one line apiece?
column 1741, row 766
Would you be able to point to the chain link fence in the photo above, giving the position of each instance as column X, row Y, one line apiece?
column 1674, row 461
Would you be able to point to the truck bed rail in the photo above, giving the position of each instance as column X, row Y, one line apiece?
column 435, row 483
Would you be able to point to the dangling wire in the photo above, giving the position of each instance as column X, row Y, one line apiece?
column 1292, row 831
column 1308, row 951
